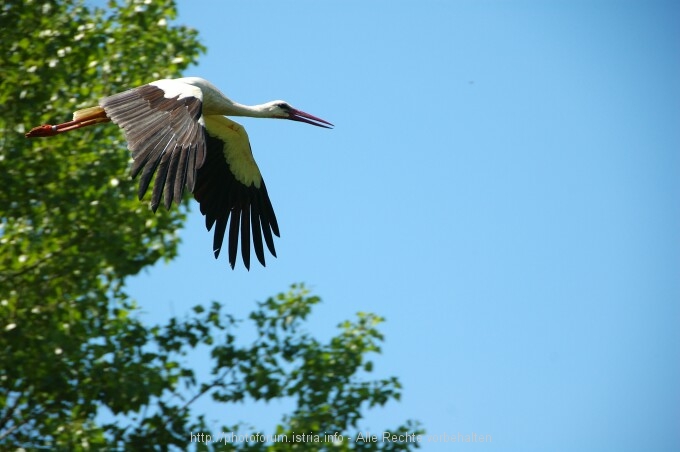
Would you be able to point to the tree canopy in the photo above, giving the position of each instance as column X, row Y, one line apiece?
column 78, row 369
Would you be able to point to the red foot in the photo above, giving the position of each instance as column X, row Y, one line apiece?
column 42, row 131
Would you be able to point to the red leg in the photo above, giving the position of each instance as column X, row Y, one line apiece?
column 95, row 117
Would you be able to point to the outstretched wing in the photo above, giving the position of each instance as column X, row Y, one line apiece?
column 230, row 190
column 164, row 128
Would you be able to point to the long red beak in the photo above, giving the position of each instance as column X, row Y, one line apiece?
column 301, row 116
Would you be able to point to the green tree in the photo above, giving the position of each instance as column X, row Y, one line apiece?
column 72, row 231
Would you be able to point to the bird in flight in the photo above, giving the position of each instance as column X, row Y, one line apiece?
column 177, row 130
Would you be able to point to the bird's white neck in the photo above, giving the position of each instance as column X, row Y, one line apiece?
column 230, row 108
column 216, row 103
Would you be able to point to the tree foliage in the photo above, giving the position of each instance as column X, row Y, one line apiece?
column 78, row 370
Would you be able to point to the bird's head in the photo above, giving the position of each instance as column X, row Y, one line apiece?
column 282, row 110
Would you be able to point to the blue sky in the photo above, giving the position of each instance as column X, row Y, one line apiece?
column 502, row 185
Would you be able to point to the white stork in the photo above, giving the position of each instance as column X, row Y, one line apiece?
column 176, row 128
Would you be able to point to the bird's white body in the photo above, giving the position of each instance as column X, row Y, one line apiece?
column 181, row 87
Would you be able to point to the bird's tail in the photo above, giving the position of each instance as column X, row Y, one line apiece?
column 81, row 118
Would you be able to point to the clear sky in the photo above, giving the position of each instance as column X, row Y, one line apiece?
column 503, row 185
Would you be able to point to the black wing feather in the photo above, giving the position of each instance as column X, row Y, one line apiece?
column 224, row 199
column 233, row 235
column 257, row 232
column 245, row 235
